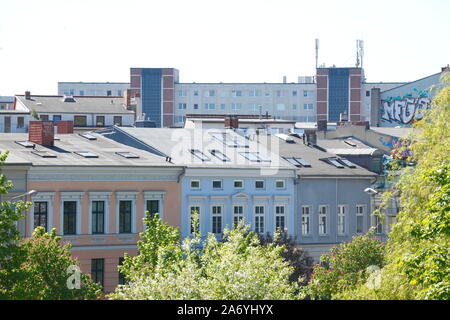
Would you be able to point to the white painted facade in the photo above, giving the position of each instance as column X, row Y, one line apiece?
column 92, row 88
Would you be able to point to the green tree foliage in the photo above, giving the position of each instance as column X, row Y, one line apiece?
column 418, row 259
column 34, row 268
column 294, row 255
column 345, row 266
column 238, row 267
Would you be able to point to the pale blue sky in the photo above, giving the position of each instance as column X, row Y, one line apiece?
column 46, row 41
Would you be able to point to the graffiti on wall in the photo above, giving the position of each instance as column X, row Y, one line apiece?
column 406, row 109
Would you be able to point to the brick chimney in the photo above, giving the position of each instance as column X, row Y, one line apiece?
column 322, row 125
column 64, row 127
column 27, row 95
column 41, row 132
column 127, row 97
column 231, row 122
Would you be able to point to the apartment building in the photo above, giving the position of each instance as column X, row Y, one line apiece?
column 92, row 88
column 93, row 190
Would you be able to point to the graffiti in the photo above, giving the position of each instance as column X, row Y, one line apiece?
column 388, row 142
column 405, row 109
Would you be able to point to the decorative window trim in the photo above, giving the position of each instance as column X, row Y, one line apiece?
column 42, row 197
column 154, row 195
column 126, row 196
column 76, row 196
column 99, row 196
column 327, row 221
column 309, row 215
column 275, row 215
column 345, row 215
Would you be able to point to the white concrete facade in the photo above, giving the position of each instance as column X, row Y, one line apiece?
column 92, row 88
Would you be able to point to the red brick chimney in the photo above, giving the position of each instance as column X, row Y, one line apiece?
column 27, row 95
column 41, row 132
column 127, row 97
column 231, row 122
column 64, row 127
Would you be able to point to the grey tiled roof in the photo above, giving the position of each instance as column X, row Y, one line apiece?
column 82, row 104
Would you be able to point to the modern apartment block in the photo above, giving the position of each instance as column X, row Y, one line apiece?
column 92, row 88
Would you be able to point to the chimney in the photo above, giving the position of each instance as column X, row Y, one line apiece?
column 311, row 137
column 27, row 95
column 127, row 97
column 284, row 79
column 41, row 132
column 231, row 122
column 64, row 127
column 322, row 125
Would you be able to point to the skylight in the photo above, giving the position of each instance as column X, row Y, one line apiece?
column 199, row 154
column 334, row 162
column 219, row 155
column 128, row 155
column 86, row 154
column 26, row 144
column 44, row 154
column 233, row 141
column 87, row 136
column 298, row 162
column 346, row 162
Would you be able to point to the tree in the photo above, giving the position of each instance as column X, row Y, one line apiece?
column 238, row 267
column 418, row 258
column 34, row 268
column 345, row 266
column 294, row 255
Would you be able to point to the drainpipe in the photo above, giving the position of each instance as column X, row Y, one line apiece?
column 335, row 207
column 181, row 174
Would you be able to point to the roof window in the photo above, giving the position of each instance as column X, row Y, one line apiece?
column 86, row 154
column 128, row 155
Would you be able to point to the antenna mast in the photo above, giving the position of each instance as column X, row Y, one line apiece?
column 317, row 52
column 359, row 53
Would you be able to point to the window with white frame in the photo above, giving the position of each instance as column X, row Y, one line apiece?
column 154, row 203
column 210, row 106
column 40, row 214
column 360, row 210
column 209, row 93
column 182, row 106
column 70, row 217
column 217, row 184
column 279, row 184
column 323, row 215
column 259, row 219
column 182, row 93
column 308, row 106
column 253, row 107
column 195, row 184
column 222, row 106
column 238, row 214
column 98, row 216
column 307, row 93
column 280, row 218
column 377, row 224
column 216, row 215
column 306, row 220
column 195, row 106
column 254, row 93
column 236, row 93
column 294, row 93
column 341, row 219
column 195, row 93
column 259, row 184
column 281, row 107
column 294, row 106
column 194, row 210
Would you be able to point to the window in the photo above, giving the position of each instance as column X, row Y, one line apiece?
column 117, row 121
column 179, row 119
column 200, row 155
column 254, row 93
column 86, row 154
column 280, row 220
column 254, row 156
column 279, row 184
column 195, row 209
column 79, row 121
column 236, row 93
column 259, row 184
column 181, row 93
column 128, row 155
column 20, row 122
column 98, row 216
column 307, row 93
column 108, row 92
column 294, row 106
column 195, row 106
column 259, row 219
column 44, row 117
column 182, row 106
column 367, row 93
column 100, row 121
column 267, row 93
column 323, row 220
column 195, row 184
column 209, row 93
column 81, row 92
column 152, row 207
column 216, row 219
column 294, row 93
column 341, row 219
column 238, row 184
column 56, row 118
column 210, row 106
column 360, row 218
column 236, row 106
column 40, row 214
column 238, row 215
column 279, row 93
column 306, row 210
column 222, row 106
column 377, row 223
column 122, row 279
column 195, row 94
column 125, row 216
column 252, row 107
column 218, row 154
column 308, row 106
column 217, row 184
column 97, row 270
column 70, row 217
column 43, row 154
column 280, row 106
column 119, row 93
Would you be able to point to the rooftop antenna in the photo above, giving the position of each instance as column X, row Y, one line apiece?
column 317, row 52
column 359, row 53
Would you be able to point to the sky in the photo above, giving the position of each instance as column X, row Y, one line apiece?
column 46, row 41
